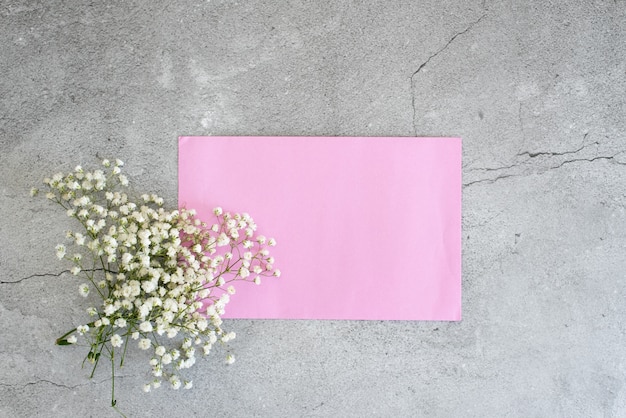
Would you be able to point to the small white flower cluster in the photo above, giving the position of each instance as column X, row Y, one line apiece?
column 164, row 277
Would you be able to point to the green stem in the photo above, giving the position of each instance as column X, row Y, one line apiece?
column 60, row 340
column 62, row 337
column 124, row 352
column 101, row 341
column 113, row 402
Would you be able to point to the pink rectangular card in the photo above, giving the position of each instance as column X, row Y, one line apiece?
column 367, row 228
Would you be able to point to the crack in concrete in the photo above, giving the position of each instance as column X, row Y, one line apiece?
column 61, row 385
column 34, row 275
column 552, row 154
column 532, row 155
column 590, row 160
column 39, row 381
column 556, row 167
column 490, row 181
column 422, row 65
column 504, row 167
column 45, row 275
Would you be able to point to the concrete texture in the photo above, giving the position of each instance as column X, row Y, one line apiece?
column 536, row 89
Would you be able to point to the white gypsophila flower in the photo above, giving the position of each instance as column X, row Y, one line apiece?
column 222, row 240
column 120, row 323
column 109, row 309
column 82, row 329
column 145, row 326
column 227, row 337
column 175, row 382
column 144, row 310
column 60, row 251
column 126, row 259
column 116, row 340
column 144, row 343
column 72, row 339
column 244, row 272
column 83, row 289
column 202, row 324
column 147, row 387
column 188, row 384
column 186, row 343
column 257, row 280
column 230, row 359
column 159, row 351
column 75, row 270
column 149, row 286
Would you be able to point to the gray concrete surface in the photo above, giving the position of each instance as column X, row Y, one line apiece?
column 537, row 91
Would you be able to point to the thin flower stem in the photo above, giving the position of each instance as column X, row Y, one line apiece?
column 62, row 337
column 124, row 352
column 113, row 401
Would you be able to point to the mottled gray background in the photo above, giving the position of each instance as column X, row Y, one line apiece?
column 537, row 91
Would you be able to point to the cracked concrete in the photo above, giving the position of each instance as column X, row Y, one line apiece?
column 32, row 276
column 532, row 167
column 537, row 91
column 439, row 51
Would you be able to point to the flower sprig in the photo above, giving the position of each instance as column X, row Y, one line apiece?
column 163, row 278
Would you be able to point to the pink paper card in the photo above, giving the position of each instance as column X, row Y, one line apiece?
column 367, row 228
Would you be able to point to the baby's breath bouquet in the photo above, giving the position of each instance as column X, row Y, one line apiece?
column 162, row 277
